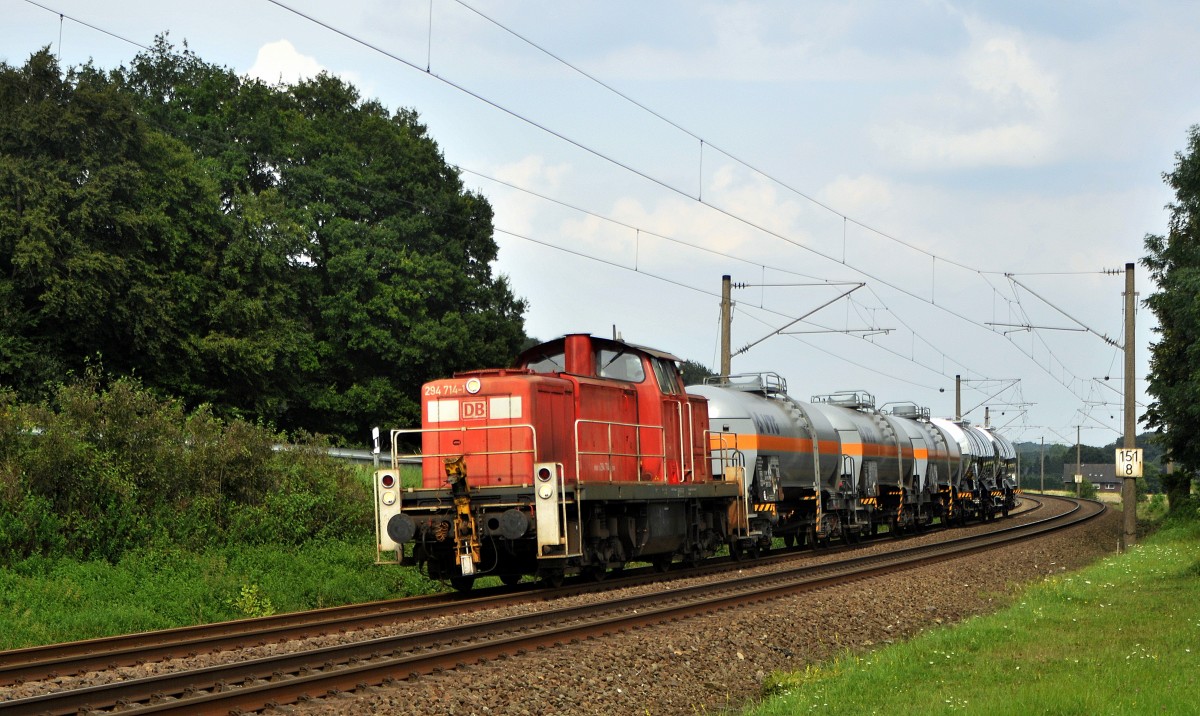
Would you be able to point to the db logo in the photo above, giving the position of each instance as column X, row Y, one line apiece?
column 474, row 410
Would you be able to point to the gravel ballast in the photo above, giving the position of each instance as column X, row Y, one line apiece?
column 714, row 663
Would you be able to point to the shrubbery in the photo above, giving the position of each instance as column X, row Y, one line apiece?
column 103, row 468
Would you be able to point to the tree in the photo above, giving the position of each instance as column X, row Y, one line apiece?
column 290, row 253
column 103, row 227
column 380, row 260
column 1174, row 380
column 694, row 373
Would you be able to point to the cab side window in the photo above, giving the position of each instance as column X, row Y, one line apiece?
column 668, row 379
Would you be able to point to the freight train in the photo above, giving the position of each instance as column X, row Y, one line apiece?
column 590, row 453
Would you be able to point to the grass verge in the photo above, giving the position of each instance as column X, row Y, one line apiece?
column 43, row 601
column 1120, row 637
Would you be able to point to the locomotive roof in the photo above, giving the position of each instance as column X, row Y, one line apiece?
column 597, row 342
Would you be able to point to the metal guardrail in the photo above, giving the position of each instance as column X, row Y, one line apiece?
column 363, row 456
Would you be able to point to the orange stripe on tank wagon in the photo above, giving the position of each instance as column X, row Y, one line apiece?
column 782, row 443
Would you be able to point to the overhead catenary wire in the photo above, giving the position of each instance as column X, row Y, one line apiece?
column 101, row 30
column 721, row 254
column 845, row 218
column 702, row 142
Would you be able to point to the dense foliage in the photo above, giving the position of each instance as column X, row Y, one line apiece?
column 694, row 373
column 289, row 253
column 99, row 471
column 1174, row 380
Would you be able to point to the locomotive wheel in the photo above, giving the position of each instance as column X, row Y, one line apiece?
column 596, row 573
column 661, row 562
column 789, row 540
column 736, row 553
column 553, row 578
column 462, row 584
column 510, row 580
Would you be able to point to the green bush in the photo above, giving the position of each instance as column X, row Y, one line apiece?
column 28, row 525
column 104, row 468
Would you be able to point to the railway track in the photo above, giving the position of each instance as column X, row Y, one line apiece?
column 251, row 685
column 71, row 658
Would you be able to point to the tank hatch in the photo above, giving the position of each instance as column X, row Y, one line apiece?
column 764, row 383
column 856, row 399
column 906, row 410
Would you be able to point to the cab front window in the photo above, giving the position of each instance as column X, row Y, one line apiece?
column 554, row 362
column 619, row 365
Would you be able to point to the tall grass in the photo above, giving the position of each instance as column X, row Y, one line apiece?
column 121, row 511
column 1121, row 637
column 45, row 600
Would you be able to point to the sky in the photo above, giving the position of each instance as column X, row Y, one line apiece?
column 985, row 170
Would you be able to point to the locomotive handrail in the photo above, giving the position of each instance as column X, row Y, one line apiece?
column 687, row 458
column 637, row 427
column 397, row 457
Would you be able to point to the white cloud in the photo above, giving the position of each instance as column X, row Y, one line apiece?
column 1000, row 110
column 533, row 171
column 1001, row 68
column 516, row 211
column 1011, row 145
column 858, row 194
column 280, row 61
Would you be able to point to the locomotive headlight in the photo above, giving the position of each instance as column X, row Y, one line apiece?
column 545, row 492
column 389, row 498
column 544, row 474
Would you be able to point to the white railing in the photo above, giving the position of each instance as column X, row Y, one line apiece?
column 398, row 458
column 610, row 453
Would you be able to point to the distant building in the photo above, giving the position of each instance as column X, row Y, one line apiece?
column 1102, row 475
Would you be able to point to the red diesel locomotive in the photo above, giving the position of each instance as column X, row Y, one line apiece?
column 586, row 455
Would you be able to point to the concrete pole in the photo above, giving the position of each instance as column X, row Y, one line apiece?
column 726, row 324
column 1043, row 469
column 1129, row 489
column 958, row 398
column 1078, row 464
